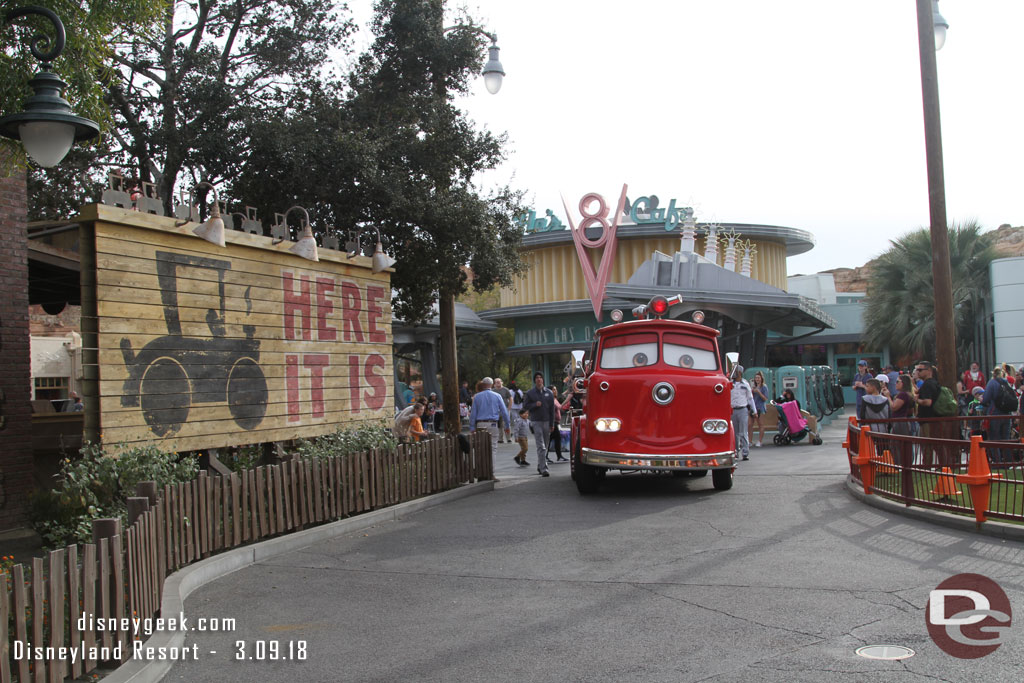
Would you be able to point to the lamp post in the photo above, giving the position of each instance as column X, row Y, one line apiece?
column 47, row 127
column 931, row 32
column 493, row 74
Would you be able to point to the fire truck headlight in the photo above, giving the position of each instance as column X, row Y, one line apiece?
column 608, row 424
column 715, row 426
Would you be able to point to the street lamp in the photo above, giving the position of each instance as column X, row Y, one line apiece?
column 929, row 25
column 493, row 71
column 940, row 25
column 47, row 127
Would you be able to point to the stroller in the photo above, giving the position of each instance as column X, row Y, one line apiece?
column 792, row 426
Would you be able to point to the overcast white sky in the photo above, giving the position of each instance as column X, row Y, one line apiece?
column 801, row 113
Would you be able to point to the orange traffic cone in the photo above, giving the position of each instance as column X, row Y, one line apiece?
column 886, row 464
column 945, row 487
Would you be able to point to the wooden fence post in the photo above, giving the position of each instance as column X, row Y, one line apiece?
column 136, row 506
column 147, row 489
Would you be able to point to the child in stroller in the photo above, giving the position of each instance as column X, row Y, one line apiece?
column 792, row 426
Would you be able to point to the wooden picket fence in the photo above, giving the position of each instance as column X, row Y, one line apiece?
column 122, row 578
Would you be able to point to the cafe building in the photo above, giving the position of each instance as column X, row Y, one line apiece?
column 735, row 273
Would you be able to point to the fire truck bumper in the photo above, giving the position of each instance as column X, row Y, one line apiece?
column 639, row 461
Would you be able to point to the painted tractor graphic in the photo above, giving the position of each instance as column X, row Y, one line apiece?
column 173, row 372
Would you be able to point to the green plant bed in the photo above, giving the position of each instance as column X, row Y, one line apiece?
column 348, row 441
column 1006, row 499
column 97, row 484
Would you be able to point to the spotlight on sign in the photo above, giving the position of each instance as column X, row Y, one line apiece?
column 381, row 261
column 212, row 229
column 306, row 246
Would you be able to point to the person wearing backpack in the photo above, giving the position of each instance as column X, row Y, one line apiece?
column 999, row 399
column 927, row 393
column 876, row 404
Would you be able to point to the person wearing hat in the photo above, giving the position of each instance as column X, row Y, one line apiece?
column 975, row 409
column 743, row 408
column 860, row 385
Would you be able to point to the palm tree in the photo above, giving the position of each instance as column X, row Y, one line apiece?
column 900, row 308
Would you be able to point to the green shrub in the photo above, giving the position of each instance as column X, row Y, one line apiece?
column 244, row 457
column 98, row 484
column 348, row 440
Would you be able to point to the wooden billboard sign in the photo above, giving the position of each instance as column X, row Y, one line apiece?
column 200, row 346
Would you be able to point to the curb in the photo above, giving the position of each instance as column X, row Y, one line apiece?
column 181, row 583
column 996, row 529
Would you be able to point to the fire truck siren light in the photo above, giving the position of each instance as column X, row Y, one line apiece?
column 659, row 306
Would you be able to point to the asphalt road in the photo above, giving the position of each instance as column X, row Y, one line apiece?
column 653, row 579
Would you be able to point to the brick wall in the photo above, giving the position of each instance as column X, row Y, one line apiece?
column 15, row 410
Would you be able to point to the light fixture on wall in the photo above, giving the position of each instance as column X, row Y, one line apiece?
column 354, row 247
column 47, row 127
column 212, row 229
column 306, row 246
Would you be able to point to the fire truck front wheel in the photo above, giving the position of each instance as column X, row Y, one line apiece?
column 588, row 479
column 722, row 479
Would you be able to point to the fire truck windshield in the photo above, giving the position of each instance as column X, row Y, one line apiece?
column 693, row 353
column 630, row 351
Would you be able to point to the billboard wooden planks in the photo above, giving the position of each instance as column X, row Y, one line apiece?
column 206, row 347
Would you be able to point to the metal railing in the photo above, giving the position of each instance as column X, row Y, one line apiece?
column 948, row 468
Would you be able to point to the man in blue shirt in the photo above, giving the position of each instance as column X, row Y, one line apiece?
column 541, row 404
column 488, row 408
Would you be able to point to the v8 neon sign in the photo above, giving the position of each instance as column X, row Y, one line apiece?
column 596, row 282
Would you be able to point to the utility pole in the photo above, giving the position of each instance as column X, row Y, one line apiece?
column 942, row 281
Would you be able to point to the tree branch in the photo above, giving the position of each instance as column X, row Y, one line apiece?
column 137, row 68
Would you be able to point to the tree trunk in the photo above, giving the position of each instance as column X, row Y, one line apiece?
column 449, row 365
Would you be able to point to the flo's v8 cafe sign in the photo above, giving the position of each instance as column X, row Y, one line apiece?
column 642, row 211
column 206, row 347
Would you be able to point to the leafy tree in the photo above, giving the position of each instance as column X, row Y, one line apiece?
column 84, row 65
column 393, row 151
column 900, row 301
column 185, row 97
column 427, row 154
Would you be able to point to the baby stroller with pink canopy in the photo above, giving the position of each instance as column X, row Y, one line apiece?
column 792, row 426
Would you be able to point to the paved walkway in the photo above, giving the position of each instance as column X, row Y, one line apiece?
column 653, row 579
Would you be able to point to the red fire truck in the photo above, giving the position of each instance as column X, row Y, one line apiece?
column 656, row 398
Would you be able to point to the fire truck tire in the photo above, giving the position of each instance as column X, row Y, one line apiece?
column 588, row 479
column 722, row 479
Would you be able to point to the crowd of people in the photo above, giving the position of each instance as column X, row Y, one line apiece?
column 508, row 414
column 917, row 393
